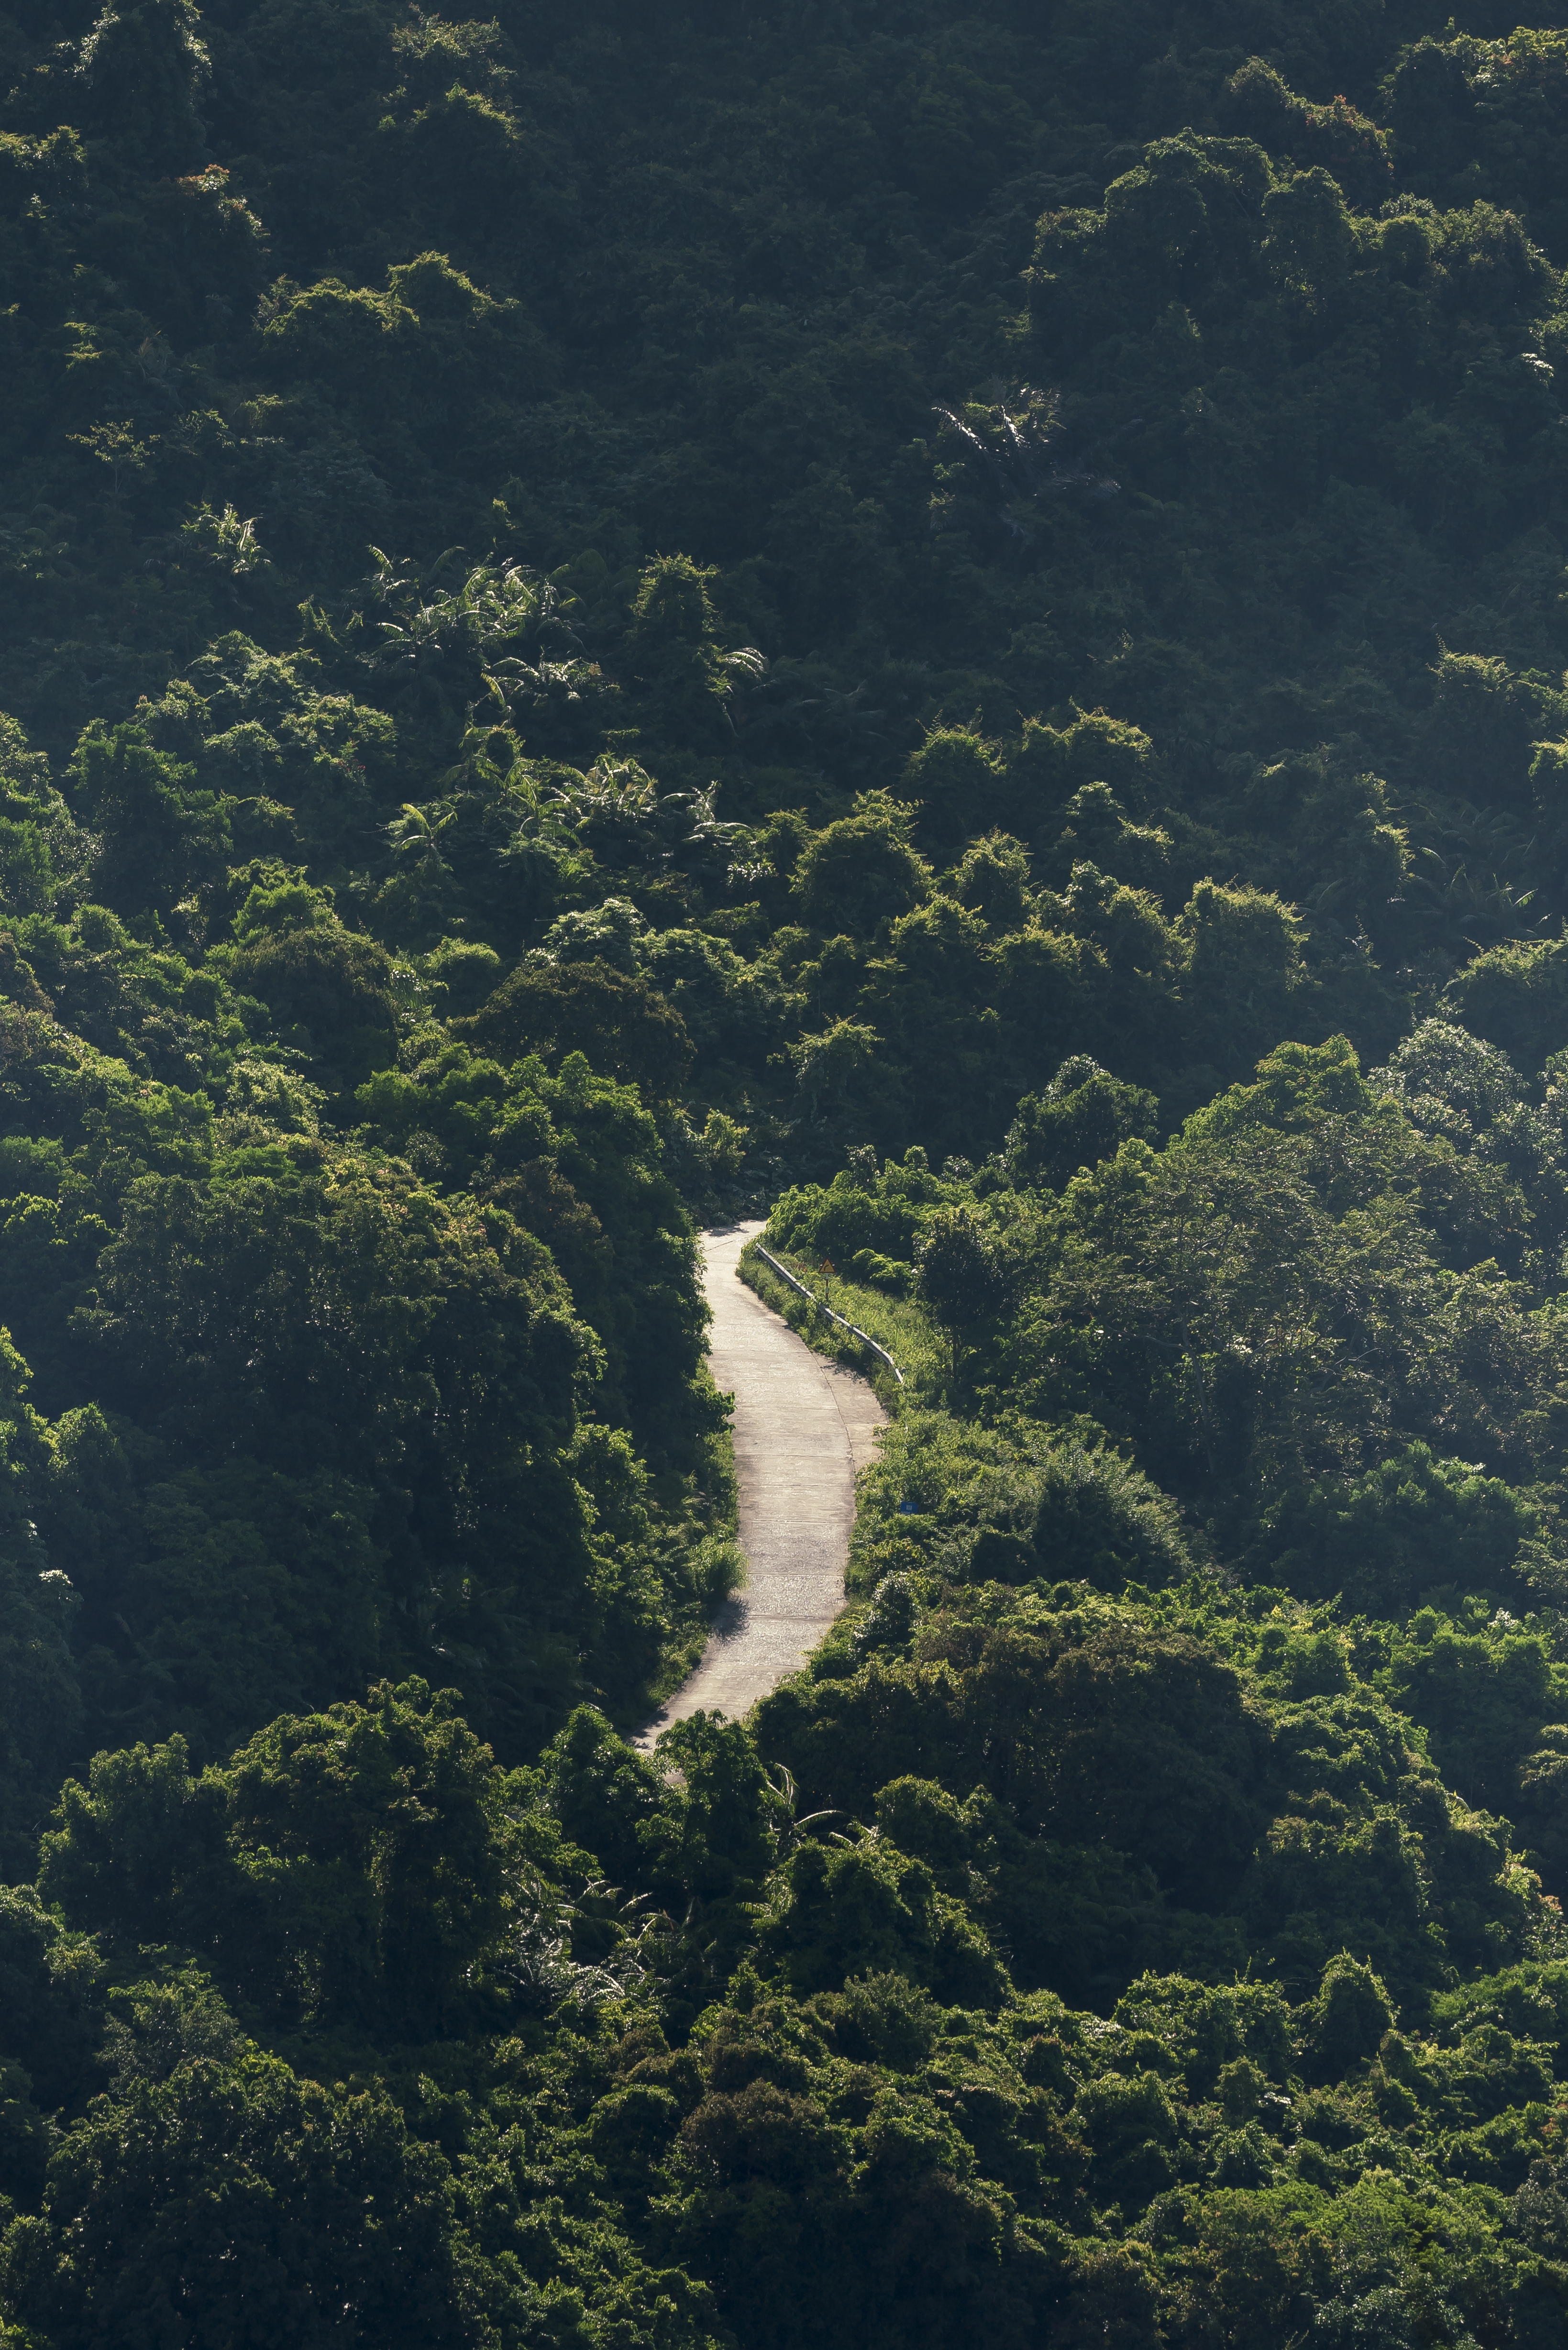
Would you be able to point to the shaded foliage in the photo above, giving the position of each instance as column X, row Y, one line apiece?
column 951, row 622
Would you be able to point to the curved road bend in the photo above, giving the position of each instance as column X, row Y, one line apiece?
column 801, row 1429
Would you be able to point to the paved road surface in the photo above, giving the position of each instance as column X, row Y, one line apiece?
column 802, row 1427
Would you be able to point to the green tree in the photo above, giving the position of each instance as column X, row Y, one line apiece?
column 861, row 869
column 957, row 780
column 621, row 1024
column 144, row 67
column 367, row 1840
column 159, row 837
column 327, row 988
column 246, row 2199
column 1084, row 1116
column 962, row 1274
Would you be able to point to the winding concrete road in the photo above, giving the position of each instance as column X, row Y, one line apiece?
column 801, row 1427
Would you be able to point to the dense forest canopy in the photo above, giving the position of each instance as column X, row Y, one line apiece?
column 952, row 625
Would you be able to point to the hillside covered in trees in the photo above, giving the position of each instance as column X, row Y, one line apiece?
column 952, row 624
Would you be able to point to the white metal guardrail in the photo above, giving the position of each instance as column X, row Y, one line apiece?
column 853, row 1327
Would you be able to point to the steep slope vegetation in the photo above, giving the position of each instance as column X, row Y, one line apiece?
column 952, row 624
